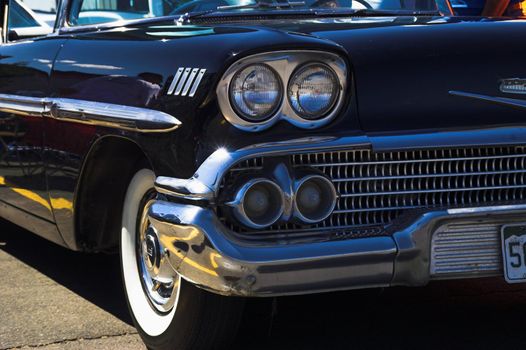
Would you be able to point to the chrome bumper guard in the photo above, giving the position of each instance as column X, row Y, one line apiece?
column 203, row 254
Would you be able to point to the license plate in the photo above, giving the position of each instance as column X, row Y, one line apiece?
column 514, row 252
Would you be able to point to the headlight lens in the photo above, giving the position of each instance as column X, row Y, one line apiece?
column 313, row 91
column 256, row 92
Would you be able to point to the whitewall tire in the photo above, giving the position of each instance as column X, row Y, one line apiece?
column 168, row 312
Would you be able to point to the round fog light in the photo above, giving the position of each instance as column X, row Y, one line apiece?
column 258, row 203
column 315, row 199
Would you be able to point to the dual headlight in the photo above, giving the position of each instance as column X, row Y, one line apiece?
column 303, row 87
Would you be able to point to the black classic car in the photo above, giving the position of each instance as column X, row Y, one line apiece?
column 251, row 148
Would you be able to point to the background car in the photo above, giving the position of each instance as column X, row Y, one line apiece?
column 44, row 10
column 25, row 23
column 468, row 7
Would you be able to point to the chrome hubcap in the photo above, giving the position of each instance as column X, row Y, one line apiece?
column 159, row 279
column 150, row 250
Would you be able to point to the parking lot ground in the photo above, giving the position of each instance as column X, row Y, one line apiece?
column 128, row 342
column 50, row 295
column 51, row 298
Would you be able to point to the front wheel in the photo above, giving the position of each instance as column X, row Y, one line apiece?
column 168, row 312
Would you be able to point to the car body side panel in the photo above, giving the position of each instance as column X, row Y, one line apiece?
column 25, row 68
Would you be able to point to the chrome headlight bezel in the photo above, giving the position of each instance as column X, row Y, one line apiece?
column 285, row 64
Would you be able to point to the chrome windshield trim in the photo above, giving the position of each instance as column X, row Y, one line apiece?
column 92, row 113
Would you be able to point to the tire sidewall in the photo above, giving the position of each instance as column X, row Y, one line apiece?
column 150, row 322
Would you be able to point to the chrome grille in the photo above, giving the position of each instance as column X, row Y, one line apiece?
column 466, row 248
column 376, row 188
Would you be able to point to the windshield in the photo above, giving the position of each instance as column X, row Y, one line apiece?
column 86, row 12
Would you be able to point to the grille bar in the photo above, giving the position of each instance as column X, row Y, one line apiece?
column 440, row 190
column 415, row 161
column 377, row 178
column 377, row 188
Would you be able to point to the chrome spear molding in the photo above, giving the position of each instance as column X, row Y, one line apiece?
column 502, row 101
column 92, row 113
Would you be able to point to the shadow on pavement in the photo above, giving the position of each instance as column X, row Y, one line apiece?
column 94, row 277
column 482, row 314
column 476, row 314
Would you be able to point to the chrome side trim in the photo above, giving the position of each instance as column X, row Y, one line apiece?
column 285, row 64
column 21, row 105
column 92, row 113
column 112, row 115
column 502, row 101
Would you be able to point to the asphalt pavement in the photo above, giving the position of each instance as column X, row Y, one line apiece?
column 52, row 298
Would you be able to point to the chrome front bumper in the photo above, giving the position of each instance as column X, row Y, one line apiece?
column 198, row 248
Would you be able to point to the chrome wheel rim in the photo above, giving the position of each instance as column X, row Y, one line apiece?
column 158, row 278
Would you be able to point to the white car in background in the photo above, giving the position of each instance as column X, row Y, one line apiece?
column 44, row 10
column 25, row 23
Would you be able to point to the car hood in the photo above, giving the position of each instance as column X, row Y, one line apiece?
column 404, row 68
column 412, row 73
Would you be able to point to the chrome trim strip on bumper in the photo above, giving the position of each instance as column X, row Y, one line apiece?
column 92, row 113
column 200, row 250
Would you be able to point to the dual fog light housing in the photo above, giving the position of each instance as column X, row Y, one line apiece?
column 260, row 202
